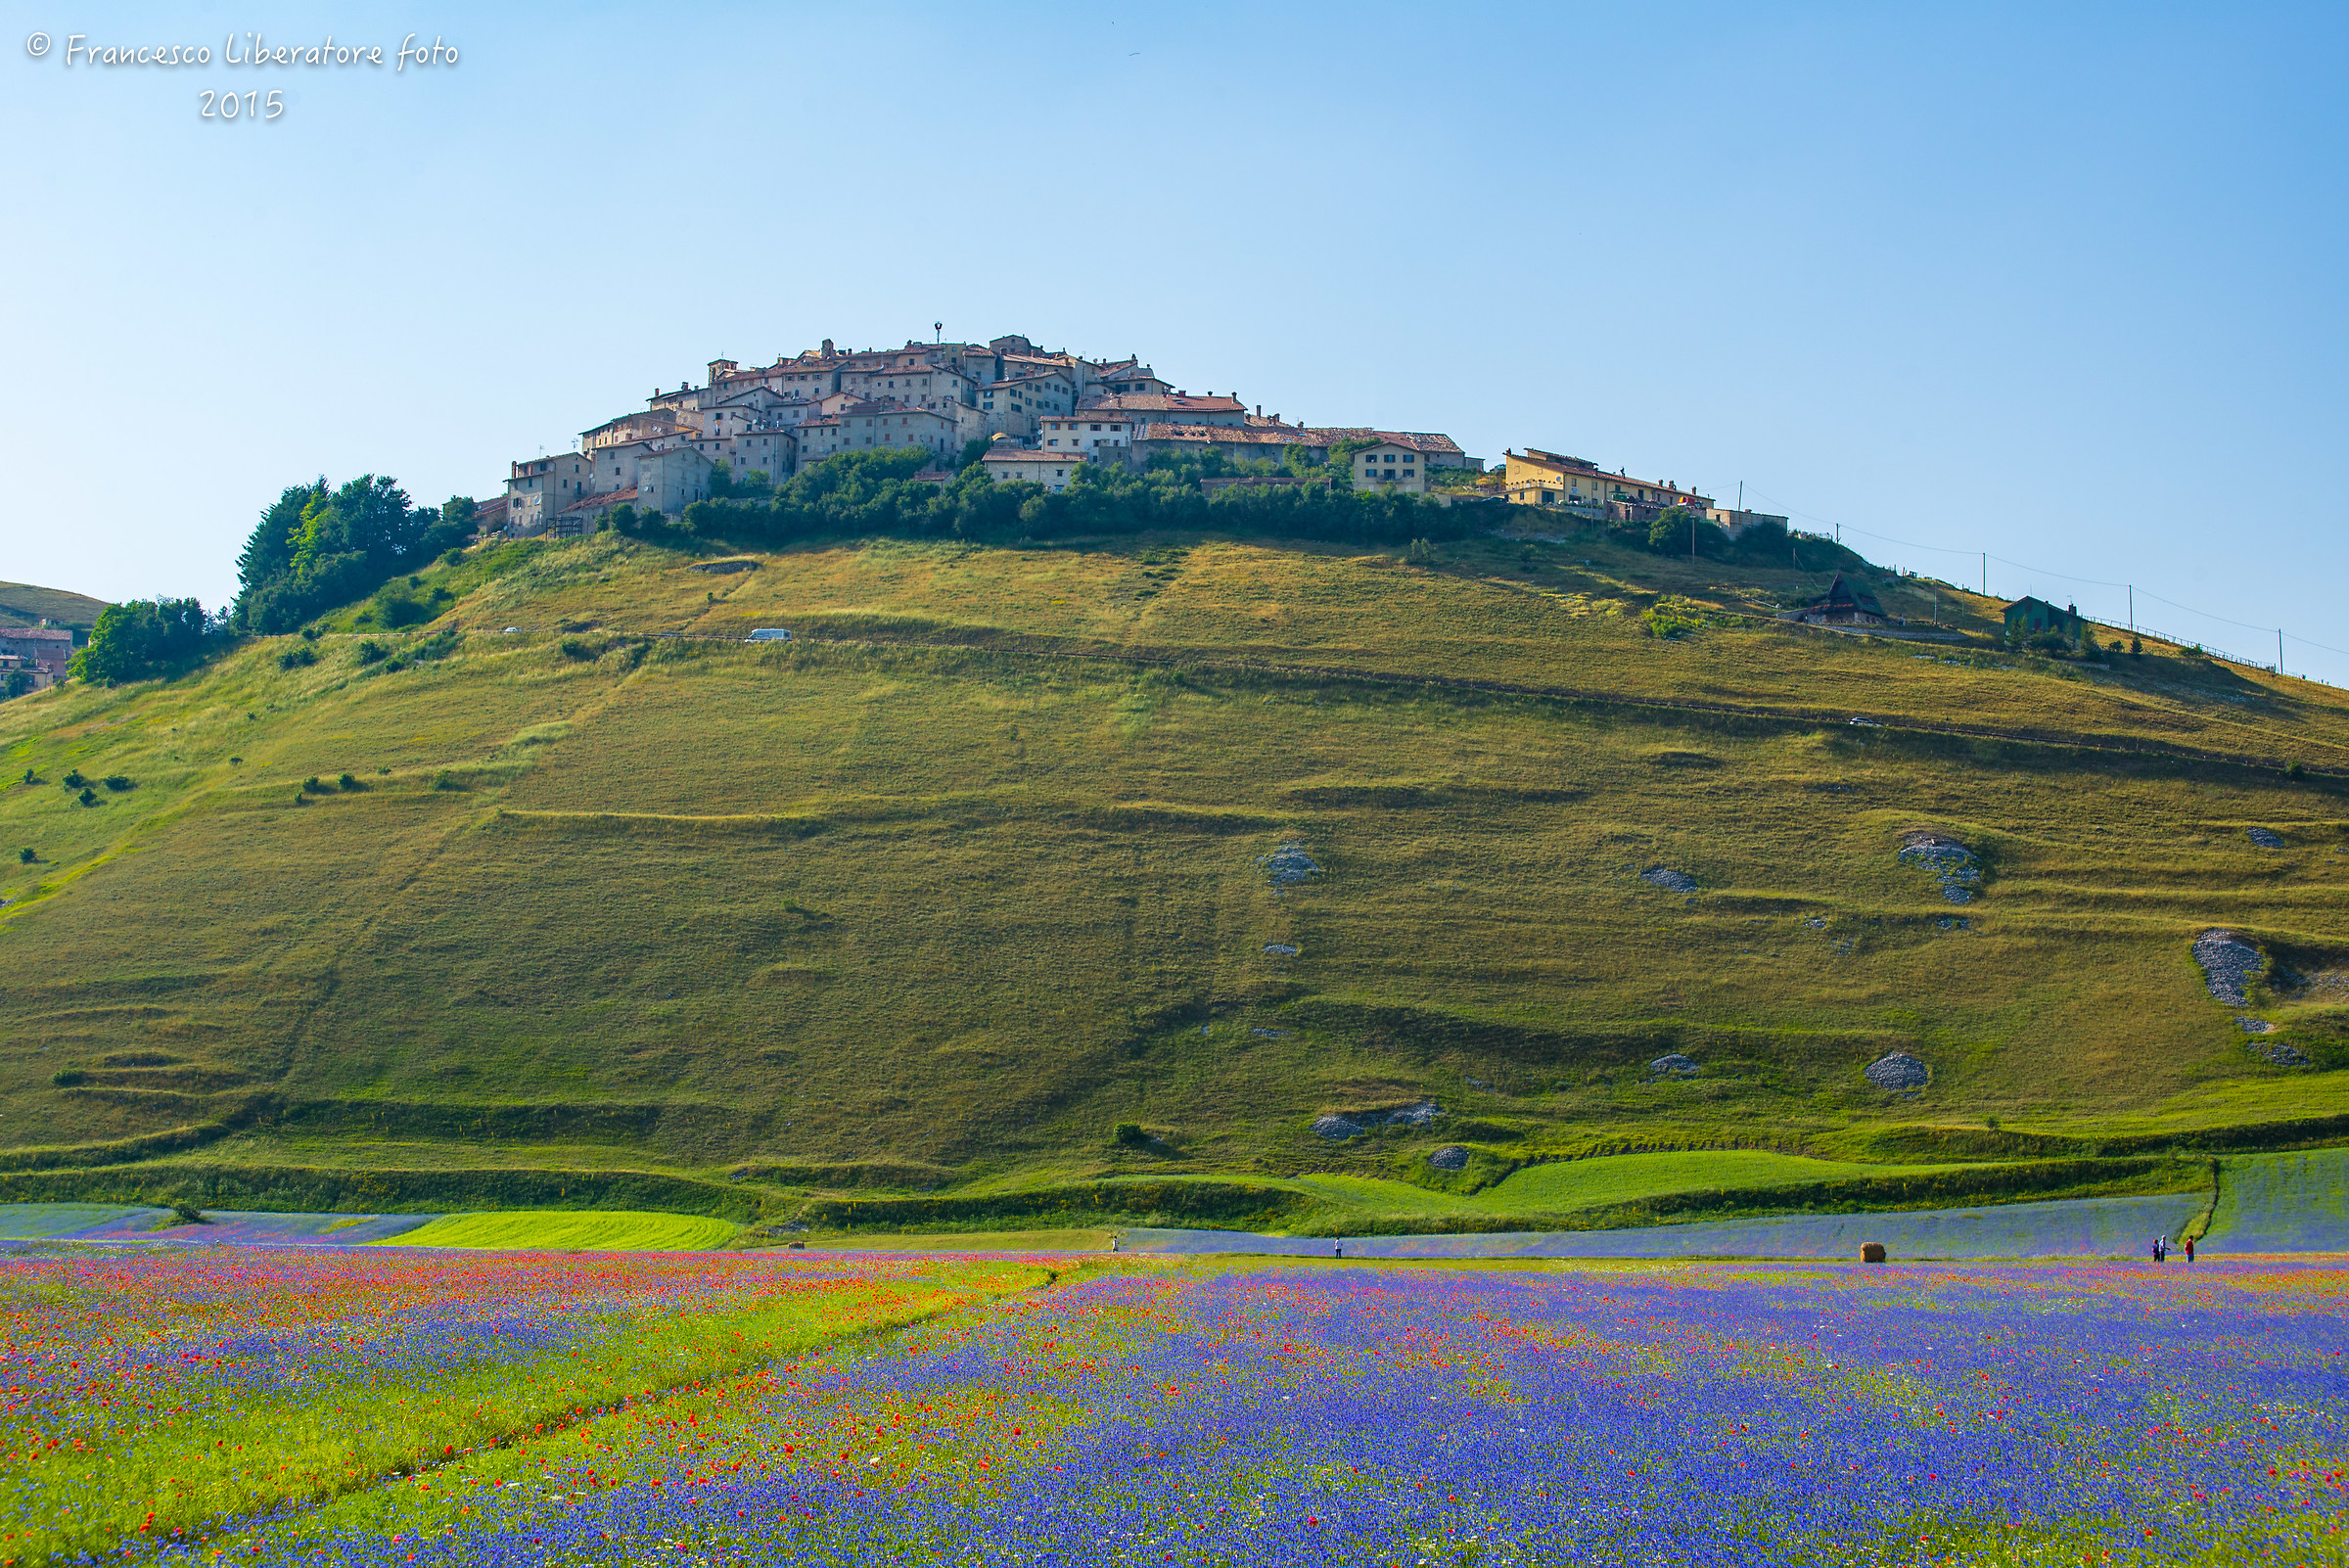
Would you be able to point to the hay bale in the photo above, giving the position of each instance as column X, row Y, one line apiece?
column 1872, row 1252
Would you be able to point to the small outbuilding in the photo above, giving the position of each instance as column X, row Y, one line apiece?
column 2031, row 618
column 1842, row 604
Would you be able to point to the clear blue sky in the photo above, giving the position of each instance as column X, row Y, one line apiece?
column 2062, row 284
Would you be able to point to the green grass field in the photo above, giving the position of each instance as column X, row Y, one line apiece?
column 932, row 898
column 569, row 1230
column 963, row 1241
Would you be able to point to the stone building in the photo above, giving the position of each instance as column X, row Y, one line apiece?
column 1535, row 477
column 671, row 480
column 538, row 487
column 1005, row 462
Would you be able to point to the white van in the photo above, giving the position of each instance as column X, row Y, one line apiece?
column 768, row 634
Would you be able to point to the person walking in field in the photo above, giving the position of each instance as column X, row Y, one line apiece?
column 2189, row 1249
column 2161, row 1249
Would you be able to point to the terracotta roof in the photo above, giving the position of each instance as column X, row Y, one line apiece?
column 1162, row 404
column 1416, row 441
column 1030, row 454
column 652, row 420
column 1577, row 465
column 597, row 503
column 1233, row 434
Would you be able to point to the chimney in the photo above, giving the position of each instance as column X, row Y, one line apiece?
column 1260, row 410
column 827, row 345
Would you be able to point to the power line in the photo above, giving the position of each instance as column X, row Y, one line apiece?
column 2049, row 572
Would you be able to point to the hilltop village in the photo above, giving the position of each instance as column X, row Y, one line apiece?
column 1028, row 414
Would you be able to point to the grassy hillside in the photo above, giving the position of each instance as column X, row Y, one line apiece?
column 979, row 865
column 21, row 603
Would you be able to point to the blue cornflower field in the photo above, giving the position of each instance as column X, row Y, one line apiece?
column 836, row 1411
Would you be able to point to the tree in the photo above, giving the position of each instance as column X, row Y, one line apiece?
column 143, row 639
column 316, row 548
column 1339, row 464
column 19, row 683
column 270, row 550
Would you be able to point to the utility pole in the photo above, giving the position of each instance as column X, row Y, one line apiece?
column 1986, row 573
column 2133, row 609
column 2280, row 650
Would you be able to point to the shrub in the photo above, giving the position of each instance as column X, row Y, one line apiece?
column 2136, row 645
column 28, row 778
column 394, row 607
column 295, row 658
column 446, row 780
column 310, row 633
column 439, row 645
column 349, row 782
column 371, row 652
column 573, row 648
column 26, row 856
column 87, row 797
column 119, row 783
column 1131, row 1134
column 2296, row 771
column 185, row 1213
column 312, row 786
column 73, row 778
column 1669, row 618
column 454, row 555
column 67, row 1077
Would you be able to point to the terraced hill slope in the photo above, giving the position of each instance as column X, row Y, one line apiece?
column 593, row 901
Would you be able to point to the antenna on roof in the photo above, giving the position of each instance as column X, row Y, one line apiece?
column 940, row 328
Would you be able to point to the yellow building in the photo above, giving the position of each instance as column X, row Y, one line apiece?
column 1535, row 477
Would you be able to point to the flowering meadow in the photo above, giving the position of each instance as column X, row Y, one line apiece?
column 519, row 1409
